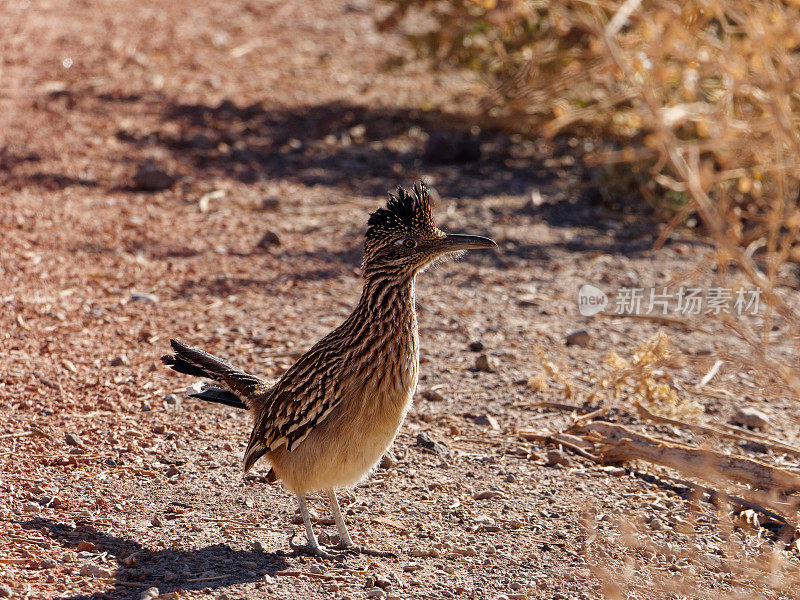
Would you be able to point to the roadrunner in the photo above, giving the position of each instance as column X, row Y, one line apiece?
column 335, row 412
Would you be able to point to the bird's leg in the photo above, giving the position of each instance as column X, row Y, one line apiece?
column 344, row 537
column 312, row 547
column 345, row 542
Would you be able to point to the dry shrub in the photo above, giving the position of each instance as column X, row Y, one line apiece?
column 639, row 380
column 698, row 101
column 716, row 81
column 731, row 561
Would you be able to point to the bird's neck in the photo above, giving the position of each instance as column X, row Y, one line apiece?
column 389, row 299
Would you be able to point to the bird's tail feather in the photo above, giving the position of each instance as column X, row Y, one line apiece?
column 216, row 395
column 240, row 387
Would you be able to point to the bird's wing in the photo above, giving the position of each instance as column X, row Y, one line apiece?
column 301, row 400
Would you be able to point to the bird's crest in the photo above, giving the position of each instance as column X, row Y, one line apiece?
column 405, row 213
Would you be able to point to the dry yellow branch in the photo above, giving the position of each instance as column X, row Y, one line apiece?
column 620, row 444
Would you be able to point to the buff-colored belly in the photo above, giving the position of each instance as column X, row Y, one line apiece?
column 344, row 448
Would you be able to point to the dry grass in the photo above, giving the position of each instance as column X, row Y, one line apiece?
column 698, row 100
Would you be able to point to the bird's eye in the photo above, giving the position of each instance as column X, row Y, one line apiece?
column 409, row 242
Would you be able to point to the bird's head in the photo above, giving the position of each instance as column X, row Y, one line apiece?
column 402, row 238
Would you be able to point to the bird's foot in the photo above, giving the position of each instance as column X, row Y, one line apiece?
column 354, row 549
column 313, row 549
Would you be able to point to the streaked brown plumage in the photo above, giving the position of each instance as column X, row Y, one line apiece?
column 327, row 421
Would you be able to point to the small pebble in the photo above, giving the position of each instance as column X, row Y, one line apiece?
column 73, row 439
column 169, row 576
column 268, row 240
column 157, row 521
column 750, row 417
column 120, row 361
column 580, row 338
column 144, row 297
column 487, row 495
column 656, row 524
column 476, row 346
column 434, row 396
column 96, row 571
column 388, row 461
column 150, row 178
column 487, row 420
column 149, row 594
column 5, row 591
column 316, row 569
column 556, row 458
column 85, row 546
column 375, row 593
column 485, row 363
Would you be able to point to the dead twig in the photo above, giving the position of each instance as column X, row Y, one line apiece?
column 559, row 406
column 739, row 436
column 620, row 444
column 560, row 439
column 312, row 575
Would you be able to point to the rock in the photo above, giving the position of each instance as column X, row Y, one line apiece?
column 268, row 240
column 31, row 507
column 388, row 461
column 86, row 546
column 171, row 399
column 150, row 178
column 557, row 458
column 751, row 417
column 270, row 204
column 375, row 593
column 5, row 591
column 485, row 363
column 120, row 361
column 580, row 338
column 144, row 297
column 169, row 576
column 48, row 563
column 149, row 594
column 96, row 571
column 422, row 552
column 487, row 420
column 433, row 395
column 487, row 495
column 476, row 346
column 73, row 439
column 317, row 569
column 510, row 478
column 172, row 471
column 258, row 546
column 201, row 141
column 382, row 582
column 424, row 440
column 146, row 406
column 656, row 524
column 157, row 521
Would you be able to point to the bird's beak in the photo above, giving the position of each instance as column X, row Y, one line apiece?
column 456, row 243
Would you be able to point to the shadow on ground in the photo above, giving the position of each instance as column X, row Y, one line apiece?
column 212, row 567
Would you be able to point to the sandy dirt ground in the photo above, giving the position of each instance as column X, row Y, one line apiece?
column 146, row 150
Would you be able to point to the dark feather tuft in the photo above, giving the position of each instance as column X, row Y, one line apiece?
column 405, row 212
